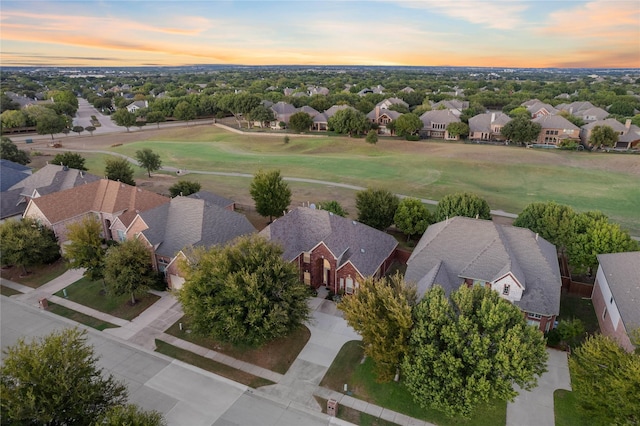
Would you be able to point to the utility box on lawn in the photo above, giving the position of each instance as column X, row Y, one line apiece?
column 332, row 407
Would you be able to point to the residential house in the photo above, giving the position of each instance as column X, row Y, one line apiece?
column 49, row 179
column 407, row 90
column 488, row 126
column 521, row 266
column 538, row 109
column 436, row 122
column 592, row 114
column 283, row 111
column 630, row 139
column 556, row 129
column 389, row 102
column 317, row 90
column 288, row 91
column 618, row 127
column 192, row 221
column 136, row 105
column 11, row 173
column 454, row 105
column 106, row 199
column 379, row 89
column 382, row 117
column 311, row 111
column 321, row 121
column 331, row 250
column 616, row 296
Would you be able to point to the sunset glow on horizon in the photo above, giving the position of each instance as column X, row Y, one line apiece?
column 503, row 33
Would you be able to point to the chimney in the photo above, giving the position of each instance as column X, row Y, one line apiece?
column 571, row 110
column 537, row 236
column 493, row 117
column 627, row 124
column 377, row 112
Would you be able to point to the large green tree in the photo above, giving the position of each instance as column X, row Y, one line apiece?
column 408, row 124
column 606, row 381
column 11, row 119
column 553, row 222
column 119, row 169
column 300, row 122
column 350, row 121
column 243, row 293
column 55, row 380
column 184, row 188
column 9, row 151
column 270, row 193
column 468, row 349
column 124, row 118
column 380, row 311
column 412, row 217
column 49, row 123
column 262, row 114
column 603, row 136
column 462, row 204
column 239, row 104
column 185, row 111
column 458, row 129
column 521, row 130
column 70, row 159
column 155, row 117
column 26, row 243
column 334, row 207
column 149, row 160
column 128, row 269
column 376, row 207
column 85, row 248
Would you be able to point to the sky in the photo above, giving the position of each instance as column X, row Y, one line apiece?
column 499, row 33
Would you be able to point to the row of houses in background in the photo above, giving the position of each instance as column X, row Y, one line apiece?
column 333, row 251
column 482, row 127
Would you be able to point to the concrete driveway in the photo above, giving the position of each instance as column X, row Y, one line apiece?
column 535, row 408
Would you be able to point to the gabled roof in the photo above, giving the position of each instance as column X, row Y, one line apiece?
column 555, row 122
column 460, row 248
column 103, row 195
column 304, row 228
column 622, row 271
column 283, row 108
column 575, row 107
column 377, row 113
column 331, row 111
column 451, row 104
column 52, row 178
column 306, row 108
column 599, row 113
column 438, row 116
column 482, row 122
column 631, row 135
column 536, row 105
column 186, row 221
column 611, row 122
column 213, row 199
column 386, row 103
column 11, row 173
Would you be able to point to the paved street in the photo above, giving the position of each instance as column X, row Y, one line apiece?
column 186, row 395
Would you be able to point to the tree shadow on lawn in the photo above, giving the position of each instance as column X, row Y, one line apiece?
column 91, row 294
column 37, row 276
column 360, row 378
column 277, row 355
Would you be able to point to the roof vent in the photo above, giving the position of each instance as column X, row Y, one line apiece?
column 361, row 250
column 537, row 236
column 354, row 222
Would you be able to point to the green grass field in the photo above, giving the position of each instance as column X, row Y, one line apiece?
column 508, row 177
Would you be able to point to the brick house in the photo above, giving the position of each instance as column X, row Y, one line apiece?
column 556, row 129
column 616, row 296
column 435, row 124
column 106, row 199
column 203, row 219
column 331, row 250
column 382, row 117
column 488, row 126
column 522, row 267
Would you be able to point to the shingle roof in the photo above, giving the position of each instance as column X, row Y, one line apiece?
column 214, row 199
column 438, row 116
column 187, row 221
column 331, row 111
column 611, row 122
column 377, row 113
column 482, row 122
column 554, row 122
column 306, row 108
column 303, row 228
column 103, row 195
column 622, row 271
column 52, row 178
column 575, row 107
column 460, row 248
column 11, row 173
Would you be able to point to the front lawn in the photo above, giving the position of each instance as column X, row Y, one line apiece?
column 211, row 365
column 277, row 355
column 581, row 308
column 567, row 411
column 354, row 416
column 76, row 316
column 8, row 291
column 37, row 276
column 90, row 293
column 360, row 378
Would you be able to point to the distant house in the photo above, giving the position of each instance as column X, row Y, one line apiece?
column 307, row 109
column 317, row 90
column 283, row 111
column 556, row 129
column 136, row 105
column 382, row 117
column 584, row 110
column 454, row 105
column 407, row 90
column 435, row 124
column 106, row 199
column 389, row 102
column 586, row 130
column 518, row 264
column 616, row 296
column 538, row 109
column 631, row 138
column 49, row 179
column 331, row 250
column 321, row 121
column 488, row 126
column 192, row 221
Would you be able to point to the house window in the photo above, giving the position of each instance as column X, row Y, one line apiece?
column 604, row 313
column 349, row 285
column 162, row 264
column 535, row 316
column 505, row 289
column 121, row 235
column 307, row 278
column 306, row 257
